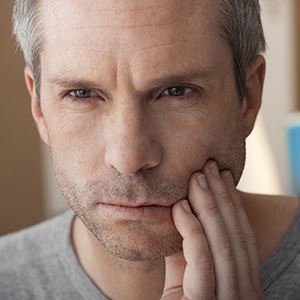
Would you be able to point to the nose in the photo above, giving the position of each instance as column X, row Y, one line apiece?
column 131, row 141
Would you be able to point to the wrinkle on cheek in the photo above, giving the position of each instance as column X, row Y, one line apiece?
column 74, row 135
column 70, row 119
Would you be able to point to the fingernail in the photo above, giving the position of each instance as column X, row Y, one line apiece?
column 229, row 179
column 214, row 170
column 186, row 206
column 202, row 181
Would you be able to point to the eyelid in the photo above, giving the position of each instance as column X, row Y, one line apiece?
column 179, row 86
column 95, row 93
column 193, row 88
column 91, row 92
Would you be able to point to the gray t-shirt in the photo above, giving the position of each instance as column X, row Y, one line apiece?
column 39, row 263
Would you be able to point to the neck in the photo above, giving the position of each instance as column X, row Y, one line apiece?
column 116, row 278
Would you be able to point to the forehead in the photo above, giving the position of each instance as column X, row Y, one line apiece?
column 124, row 20
column 128, row 13
column 153, row 31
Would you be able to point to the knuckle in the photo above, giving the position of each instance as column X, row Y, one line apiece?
column 212, row 210
column 194, row 233
column 241, row 239
column 197, row 231
column 225, row 198
column 206, row 262
column 227, row 250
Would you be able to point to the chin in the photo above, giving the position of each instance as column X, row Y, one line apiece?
column 137, row 240
column 135, row 251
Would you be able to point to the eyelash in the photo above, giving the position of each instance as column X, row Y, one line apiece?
column 186, row 96
column 73, row 98
column 95, row 94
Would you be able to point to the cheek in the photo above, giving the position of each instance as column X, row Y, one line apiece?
column 76, row 143
column 228, row 148
column 194, row 141
column 188, row 141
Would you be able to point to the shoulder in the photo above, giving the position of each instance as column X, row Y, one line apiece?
column 281, row 270
column 31, row 256
column 276, row 224
column 33, row 240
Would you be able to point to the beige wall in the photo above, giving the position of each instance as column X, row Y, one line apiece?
column 297, row 38
column 20, row 176
column 280, row 88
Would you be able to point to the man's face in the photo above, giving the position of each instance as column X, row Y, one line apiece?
column 135, row 97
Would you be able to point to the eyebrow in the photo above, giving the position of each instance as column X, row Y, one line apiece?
column 77, row 83
column 181, row 78
column 71, row 82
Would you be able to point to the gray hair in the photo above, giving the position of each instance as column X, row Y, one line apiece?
column 27, row 28
column 240, row 26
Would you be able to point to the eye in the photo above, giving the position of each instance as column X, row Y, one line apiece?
column 178, row 91
column 82, row 94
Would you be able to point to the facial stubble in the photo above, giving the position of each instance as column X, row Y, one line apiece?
column 132, row 240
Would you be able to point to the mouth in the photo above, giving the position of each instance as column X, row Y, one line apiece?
column 135, row 212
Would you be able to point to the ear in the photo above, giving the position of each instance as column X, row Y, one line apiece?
column 36, row 109
column 255, row 76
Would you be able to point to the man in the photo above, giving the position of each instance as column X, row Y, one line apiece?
column 145, row 106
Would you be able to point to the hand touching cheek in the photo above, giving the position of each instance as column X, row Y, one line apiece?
column 219, row 258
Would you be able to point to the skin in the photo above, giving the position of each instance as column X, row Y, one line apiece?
column 159, row 118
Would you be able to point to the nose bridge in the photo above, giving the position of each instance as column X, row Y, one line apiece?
column 128, row 119
column 127, row 124
column 131, row 145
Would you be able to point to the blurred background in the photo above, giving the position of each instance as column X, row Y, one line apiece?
column 28, row 192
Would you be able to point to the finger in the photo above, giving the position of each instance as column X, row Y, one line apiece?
column 207, row 211
column 232, row 224
column 199, row 272
column 246, row 228
column 175, row 268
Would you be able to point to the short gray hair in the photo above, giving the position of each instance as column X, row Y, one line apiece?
column 240, row 26
column 28, row 30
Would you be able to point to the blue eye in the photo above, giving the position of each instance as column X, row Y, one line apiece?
column 82, row 94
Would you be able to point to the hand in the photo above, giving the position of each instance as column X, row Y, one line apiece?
column 219, row 258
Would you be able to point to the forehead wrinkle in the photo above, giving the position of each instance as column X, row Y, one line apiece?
column 159, row 46
column 89, row 49
column 124, row 27
column 175, row 17
column 122, row 18
column 114, row 39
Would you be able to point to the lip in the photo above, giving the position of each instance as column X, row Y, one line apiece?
column 136, row 212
